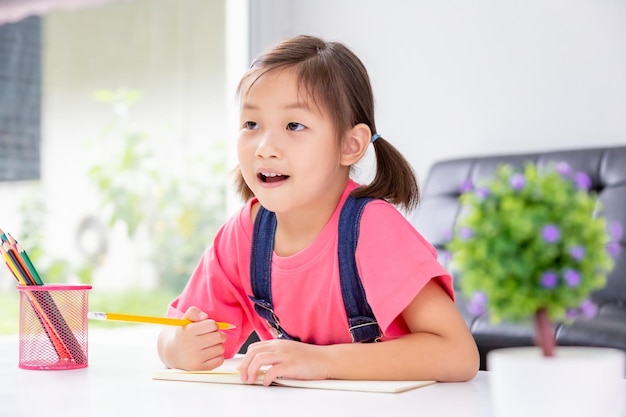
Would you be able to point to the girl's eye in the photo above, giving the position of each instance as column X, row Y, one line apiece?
column 293, row 126
column 250, row 125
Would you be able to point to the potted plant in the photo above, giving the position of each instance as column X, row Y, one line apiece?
column 531, row 247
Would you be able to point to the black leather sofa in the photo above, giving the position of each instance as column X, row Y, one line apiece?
column 439, row 209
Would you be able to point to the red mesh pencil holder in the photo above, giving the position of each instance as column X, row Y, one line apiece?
column 53, row 326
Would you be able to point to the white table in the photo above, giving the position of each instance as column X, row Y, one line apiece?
column 118, row 382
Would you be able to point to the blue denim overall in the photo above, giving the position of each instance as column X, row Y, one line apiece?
column 361, row 321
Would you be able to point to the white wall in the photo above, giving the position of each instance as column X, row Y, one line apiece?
column 454, row 77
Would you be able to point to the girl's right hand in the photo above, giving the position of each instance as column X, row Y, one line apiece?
column 195, row 346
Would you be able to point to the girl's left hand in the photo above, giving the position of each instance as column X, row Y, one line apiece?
column 285, row 359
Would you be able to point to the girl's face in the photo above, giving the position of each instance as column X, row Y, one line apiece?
column 288, row 152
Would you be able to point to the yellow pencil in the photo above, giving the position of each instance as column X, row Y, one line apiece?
column 149, row 319
column 21, row 279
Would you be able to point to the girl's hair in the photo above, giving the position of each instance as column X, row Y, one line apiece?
column 335, row 78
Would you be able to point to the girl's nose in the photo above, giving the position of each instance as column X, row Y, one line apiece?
column 268, row 146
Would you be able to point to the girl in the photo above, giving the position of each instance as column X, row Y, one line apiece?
column 307, row 116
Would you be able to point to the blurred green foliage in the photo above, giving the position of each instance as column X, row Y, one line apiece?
column 165, row 193
column 52, row 269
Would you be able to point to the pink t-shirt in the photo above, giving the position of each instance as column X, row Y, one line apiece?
column 394, row 261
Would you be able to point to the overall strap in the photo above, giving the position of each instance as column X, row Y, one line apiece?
column 361, row 321
column 261, row 269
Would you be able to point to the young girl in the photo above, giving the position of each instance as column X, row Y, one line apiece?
column 307, row 116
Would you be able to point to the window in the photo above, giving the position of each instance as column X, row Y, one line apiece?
column 20, row 93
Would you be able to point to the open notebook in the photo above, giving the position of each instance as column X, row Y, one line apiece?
column 228, row 374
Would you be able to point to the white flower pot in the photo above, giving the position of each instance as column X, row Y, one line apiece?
column 576, row 382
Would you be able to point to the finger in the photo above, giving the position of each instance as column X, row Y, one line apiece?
column 261, row 361
column 205, row 352
column 248, row 372
column 202, row 328
column 244, row 367
column 213, row 342
column 193, row 313
column 206, row 327
column 273, row 373
column 215, row 359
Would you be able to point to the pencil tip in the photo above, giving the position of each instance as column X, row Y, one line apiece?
column 93, row 315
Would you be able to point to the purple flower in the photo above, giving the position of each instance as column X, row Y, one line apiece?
column 549, row 280
column 563, row 168
column 588, row 308
column 577, row 252
column 445, row 256
column 447, row 235
column 582, row 180
column 551, row 233
column 613, row 249
column 615, row 230
column 482, row 192
column 517, row 181
column 572, row 313
column 466, row 233
column 467, row 186
column 572, row 277
column 477, row 305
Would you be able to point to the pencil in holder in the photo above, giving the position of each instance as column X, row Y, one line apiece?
column 53, row 326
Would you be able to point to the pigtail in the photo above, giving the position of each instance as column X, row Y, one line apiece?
column 395, row 179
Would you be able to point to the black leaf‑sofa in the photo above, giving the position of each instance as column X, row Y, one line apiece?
column 439, row 209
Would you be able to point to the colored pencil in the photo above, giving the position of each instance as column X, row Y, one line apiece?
column 28, row 264
column 19, row 264
column 149, row 319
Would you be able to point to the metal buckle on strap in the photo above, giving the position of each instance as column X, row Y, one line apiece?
column 362, row 325
column 272, row 320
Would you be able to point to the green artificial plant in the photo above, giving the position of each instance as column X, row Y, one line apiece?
column 532, row 246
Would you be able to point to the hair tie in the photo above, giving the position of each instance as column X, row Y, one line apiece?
column 374, row 137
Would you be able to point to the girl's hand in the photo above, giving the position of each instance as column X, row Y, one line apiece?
column 285, row 359
column 196, row 346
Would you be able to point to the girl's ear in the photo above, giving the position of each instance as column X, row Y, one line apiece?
column 355, row 145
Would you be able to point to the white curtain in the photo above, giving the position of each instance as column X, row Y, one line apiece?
column 14, row 10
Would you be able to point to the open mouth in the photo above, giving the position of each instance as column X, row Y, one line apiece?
column 272, row 177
